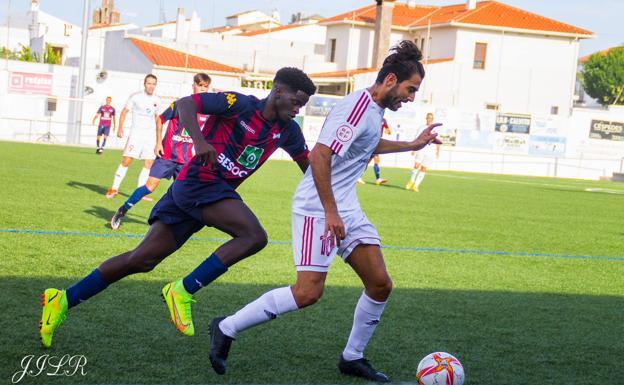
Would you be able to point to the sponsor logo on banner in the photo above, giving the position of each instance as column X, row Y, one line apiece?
column 512, row 142
column 606, row 130
column 513, row 123
column 29, row 83
column 547, row 145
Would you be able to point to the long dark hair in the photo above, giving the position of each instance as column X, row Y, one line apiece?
column 403, row 62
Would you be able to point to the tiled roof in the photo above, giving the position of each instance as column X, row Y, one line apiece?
column 357, row 71
column 269, row 30
column 486, row 13
column 167, row 57
column 604, row 52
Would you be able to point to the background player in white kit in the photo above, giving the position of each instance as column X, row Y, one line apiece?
column 327, row 218
column 145, row 107
column 424, row 159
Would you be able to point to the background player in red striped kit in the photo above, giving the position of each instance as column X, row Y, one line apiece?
column 106, row 113
column 173, row 151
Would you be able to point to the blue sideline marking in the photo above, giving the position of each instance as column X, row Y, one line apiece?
column 400, row 248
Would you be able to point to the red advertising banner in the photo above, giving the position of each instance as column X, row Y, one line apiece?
column 30, row 83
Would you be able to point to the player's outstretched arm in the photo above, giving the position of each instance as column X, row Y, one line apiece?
column 187, row 112
column 320, row 163
column 425, row 138
column 97, row 115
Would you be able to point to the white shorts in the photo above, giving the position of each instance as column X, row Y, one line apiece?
column 140, row 147
column 310, row 250
column 424, row 158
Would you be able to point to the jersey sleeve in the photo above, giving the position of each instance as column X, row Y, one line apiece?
column 221, row 103
column 130, row 101
column 344, row 123
column 169, row 113
column 112, row 111
column 99, row 111
column 295, row 144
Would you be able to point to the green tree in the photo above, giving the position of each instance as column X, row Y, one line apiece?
column 603, row 77
column 25, row 54
column 51, row 56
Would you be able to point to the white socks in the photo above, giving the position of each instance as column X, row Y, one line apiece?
column 420, row 178
column 120, row 174
column 143, row 177
column 267, row 307
column 365, row 320
column 413, row 176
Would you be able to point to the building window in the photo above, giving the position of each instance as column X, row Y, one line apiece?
column 67, row 30
column 422, row 44
column 492, row 106
column 332, row 50
column 554, row 110
column 479, row 56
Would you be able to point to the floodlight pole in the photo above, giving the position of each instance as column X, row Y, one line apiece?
column 81, row 73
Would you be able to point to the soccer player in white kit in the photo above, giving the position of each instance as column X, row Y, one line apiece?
column 145, row 107
column 424, row 159
column 327, row 218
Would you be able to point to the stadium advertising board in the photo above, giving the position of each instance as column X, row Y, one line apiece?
column 606, row 130
column 448, row 137
column 320, row 105
column 474, row 139
column 30, row 83
column 512, row 142
column 541, row 145
column 515, row 123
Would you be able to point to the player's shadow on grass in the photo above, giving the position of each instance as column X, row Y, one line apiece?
column 93, row 187
column 106, row 214
column 500, row 337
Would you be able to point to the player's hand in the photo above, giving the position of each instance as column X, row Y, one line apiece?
column 427, row 137
column 334, row 228
column 158, row 150
column 120, row 133
column 206, row 152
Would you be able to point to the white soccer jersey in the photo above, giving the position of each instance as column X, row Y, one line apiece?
column 430, row 149
column 352, row 130
column 144, row 109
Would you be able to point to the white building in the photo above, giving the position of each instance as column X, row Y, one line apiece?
column 518, row 61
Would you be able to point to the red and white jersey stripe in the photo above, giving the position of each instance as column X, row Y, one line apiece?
column 352, row 131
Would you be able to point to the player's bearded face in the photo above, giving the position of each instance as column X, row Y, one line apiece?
column 392, row 100
column 402, row 92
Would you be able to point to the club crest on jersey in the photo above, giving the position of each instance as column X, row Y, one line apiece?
column 344, row 133
column 250, row 157
column 230, row 99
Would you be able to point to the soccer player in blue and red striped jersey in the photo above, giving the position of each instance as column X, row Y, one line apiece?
column 106, row 113
column 173, row 151
column 239, row 136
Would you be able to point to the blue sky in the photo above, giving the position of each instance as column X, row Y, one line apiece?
column 603, row 17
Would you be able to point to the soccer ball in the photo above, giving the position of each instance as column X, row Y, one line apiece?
column 440, row 369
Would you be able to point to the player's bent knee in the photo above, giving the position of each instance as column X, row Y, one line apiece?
column 380, row 290
column 307, row 296
column 140, row 264
column 257, row 240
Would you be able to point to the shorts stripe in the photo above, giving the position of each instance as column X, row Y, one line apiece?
column 359, row 117
column 303, row 240
column 357, row 105
column 310, row 236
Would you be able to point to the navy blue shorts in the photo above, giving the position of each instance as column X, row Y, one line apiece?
column 103, row 130
column 181, row 206
column 165, row 169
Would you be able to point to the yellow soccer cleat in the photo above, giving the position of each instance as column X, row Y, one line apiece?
column 54, row 304
column 409, row 185
column 178, row 302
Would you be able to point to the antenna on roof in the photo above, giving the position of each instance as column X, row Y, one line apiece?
column 163, row 18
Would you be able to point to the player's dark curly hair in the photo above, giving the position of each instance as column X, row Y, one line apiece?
column 296, row 79
column 403, row 62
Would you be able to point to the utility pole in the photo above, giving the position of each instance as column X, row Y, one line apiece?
column 75, row 137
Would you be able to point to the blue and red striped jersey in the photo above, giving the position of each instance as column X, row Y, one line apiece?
column 242, row 137
column 177, row 143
